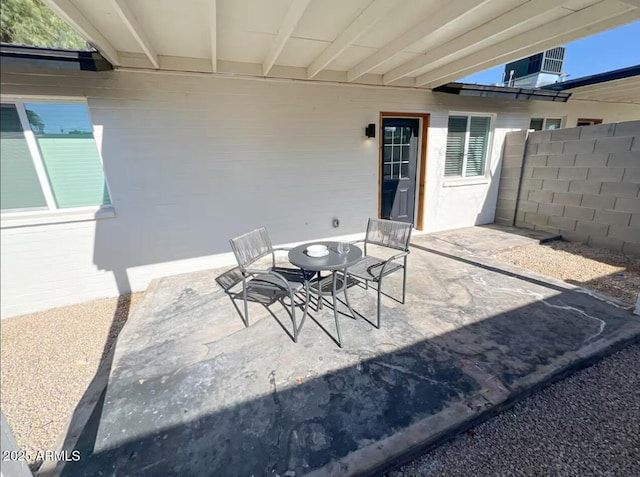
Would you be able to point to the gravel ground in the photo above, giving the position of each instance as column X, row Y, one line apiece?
column 586, row 425
column 612, row 273
column 48, row 360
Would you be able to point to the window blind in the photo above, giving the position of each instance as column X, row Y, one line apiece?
column 19, row 184
column 69, row 152
column 455, row 145
column 477, row 149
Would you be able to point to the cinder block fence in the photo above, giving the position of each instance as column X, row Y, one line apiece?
column 583, row 183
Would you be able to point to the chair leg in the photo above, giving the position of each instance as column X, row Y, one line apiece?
column 246, row 303
column 379, row 303
column 346, row 296
column 293, row 317
column 319, row 307
column 404, row 280
column 306, row 306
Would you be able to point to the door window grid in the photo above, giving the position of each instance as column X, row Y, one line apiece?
column 396, row 154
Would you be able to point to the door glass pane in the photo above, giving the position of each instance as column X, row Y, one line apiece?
column 406, row 153
column 386, row 171
column 396, row 170
column 19, row 187
column 388, row 135
column 395, row 153
column 65, row 137
column 406, row 135
column 397, row 137
column 455, row 145
column 386, row 154
column 404, row 170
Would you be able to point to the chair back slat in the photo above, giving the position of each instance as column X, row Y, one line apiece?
column 251, row 247
column 389, row 233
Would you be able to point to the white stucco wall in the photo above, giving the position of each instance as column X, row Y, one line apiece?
column 194, row 160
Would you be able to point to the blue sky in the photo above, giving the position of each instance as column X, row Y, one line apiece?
column 606, row 51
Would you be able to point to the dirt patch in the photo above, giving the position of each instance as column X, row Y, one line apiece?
column 612, row 273
column 48, row 360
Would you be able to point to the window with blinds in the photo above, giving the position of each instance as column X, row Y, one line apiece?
column 467, row 144
column 57, row 140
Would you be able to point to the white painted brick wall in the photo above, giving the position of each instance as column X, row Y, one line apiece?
column 194, row 160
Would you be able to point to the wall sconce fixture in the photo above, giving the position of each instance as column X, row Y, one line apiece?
column 370, row 131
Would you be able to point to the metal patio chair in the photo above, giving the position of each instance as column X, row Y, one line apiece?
column 392, row 235
column 266, row 285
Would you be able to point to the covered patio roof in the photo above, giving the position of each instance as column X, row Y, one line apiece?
column 412, row 43
column 621, row 85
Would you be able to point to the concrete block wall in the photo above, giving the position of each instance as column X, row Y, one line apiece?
column 583, row 183
column 512, row 157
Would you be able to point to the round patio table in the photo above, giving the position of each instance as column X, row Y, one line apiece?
column 332, row 284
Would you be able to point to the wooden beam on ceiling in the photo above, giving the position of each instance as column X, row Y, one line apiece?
column 365, row 21
column 631, row 94
column 74, row 18
column 288, row 25
column 495, row 30
column 449, row 13
column 131, row 22
column 585, row 22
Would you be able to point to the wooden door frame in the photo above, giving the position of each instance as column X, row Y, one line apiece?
column 422, row 174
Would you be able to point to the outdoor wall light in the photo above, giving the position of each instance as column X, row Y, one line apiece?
column 370, row 131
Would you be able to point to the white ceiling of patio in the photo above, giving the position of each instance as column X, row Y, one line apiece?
column 415, row 43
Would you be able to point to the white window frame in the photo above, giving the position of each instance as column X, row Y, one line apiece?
column 544, row 121
column 53, row 214
column 464, row 179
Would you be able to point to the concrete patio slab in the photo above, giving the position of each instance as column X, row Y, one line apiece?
column 193, row 392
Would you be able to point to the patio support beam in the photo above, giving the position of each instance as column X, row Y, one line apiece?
column 76, row 20
column 365, row 21
column 572, row 27
column 624, row 95
column 620, row 84
column 451, row 12
column 500, row 28
column 289, row 23
column 214, row 36
column 131, row 22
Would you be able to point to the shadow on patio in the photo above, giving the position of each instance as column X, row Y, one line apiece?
column 192, row 394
